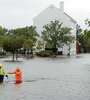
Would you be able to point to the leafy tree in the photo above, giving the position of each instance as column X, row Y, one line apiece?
column 56, row 35
column 87, row 22
column 28, row 32
column 88, row 45
column 79, row 38
column 1, row 39
column 3, row 32
column 29, row 45
column 32, row 33
column 48, row 45
column 86, row 38
column 12, row 43
column 78, row 32
column 39, row 45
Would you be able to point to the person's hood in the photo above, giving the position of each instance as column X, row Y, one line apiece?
column 18, row 69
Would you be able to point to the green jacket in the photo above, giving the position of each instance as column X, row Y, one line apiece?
column 2, row 72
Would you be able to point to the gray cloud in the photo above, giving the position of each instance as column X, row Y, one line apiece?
column 19, row 13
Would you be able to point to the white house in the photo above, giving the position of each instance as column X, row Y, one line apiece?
column 50, row 14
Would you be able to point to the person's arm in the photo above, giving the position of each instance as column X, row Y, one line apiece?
column 4, row 73
column 11, row 72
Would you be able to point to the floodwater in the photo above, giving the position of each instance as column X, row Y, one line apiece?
column 57, row 78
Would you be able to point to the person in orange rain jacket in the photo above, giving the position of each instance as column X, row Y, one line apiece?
column 18, row 74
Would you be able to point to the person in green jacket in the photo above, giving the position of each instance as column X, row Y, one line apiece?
column 2, row 73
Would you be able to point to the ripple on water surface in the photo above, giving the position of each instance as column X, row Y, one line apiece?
column 59, row 78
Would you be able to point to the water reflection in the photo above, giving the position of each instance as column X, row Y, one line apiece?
column 17, row 82
column 17, row 89
column 57, row 78
column 2, row 87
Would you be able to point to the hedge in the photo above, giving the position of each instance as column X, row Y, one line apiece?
column 44, row 53
column 2, row 53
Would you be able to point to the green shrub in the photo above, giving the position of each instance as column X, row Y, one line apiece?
column 51, row 52
column 43, row 51
column 2, row 53
column 45, row 54
column 82, row 50
column 38, row 53
column 56, row 53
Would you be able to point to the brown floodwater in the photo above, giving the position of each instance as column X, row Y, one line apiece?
column 57, row 78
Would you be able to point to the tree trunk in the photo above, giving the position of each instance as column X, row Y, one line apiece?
column 16, row 54
column 13, row 56
column 69, row 50
column 24, row 52
column 32, row 53
column 27, row 54
column 54, row 48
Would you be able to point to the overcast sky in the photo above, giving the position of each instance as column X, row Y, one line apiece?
column 19, row 13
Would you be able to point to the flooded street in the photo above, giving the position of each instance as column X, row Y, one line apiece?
column 57, row 78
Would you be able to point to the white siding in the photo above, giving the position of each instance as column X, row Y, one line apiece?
column 50, row 14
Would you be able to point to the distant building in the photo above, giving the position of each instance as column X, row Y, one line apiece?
column 50, row 14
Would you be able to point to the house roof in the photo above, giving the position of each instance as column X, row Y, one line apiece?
column 57, row 9
column 70, row 18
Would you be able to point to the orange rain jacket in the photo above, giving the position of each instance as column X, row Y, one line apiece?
column 18, row 74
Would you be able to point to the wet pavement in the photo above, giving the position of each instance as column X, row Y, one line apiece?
column 57, row 78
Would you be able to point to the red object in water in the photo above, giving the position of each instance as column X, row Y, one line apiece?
column 18, row 82
column 18, row 74
column 78, row 47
